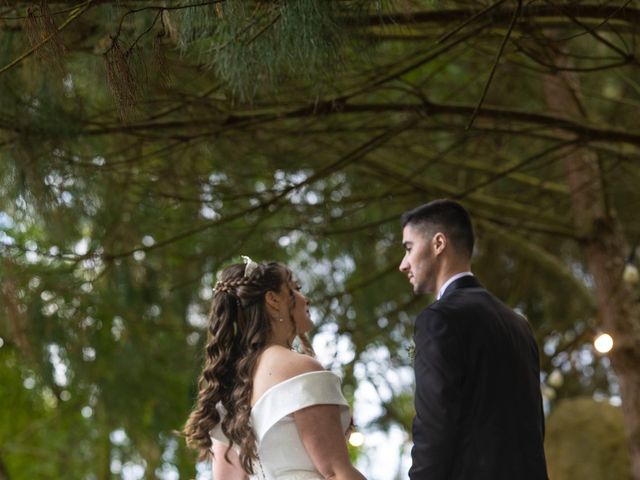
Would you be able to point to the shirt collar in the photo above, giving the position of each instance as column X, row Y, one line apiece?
column 450, row 281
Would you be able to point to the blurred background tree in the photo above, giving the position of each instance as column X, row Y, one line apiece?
column 145, row 145
column 585, row 439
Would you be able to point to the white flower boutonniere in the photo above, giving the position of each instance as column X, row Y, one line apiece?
column 411, row 350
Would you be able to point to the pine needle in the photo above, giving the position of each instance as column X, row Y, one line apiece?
column 121, row 79
column 40, row 26
column 159, row 61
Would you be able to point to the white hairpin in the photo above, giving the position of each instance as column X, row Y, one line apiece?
column 250, row 266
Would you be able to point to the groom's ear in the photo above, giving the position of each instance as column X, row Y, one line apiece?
column 439, row 242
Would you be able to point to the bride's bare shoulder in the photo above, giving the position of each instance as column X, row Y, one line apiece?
column 284, row 363
column 277, row 364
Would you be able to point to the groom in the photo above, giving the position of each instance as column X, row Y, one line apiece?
column 478, row 405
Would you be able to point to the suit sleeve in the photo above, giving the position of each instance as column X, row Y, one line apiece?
column 535, row 365
column 439, row 372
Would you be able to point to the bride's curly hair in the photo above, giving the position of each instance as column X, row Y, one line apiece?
column 239, row 329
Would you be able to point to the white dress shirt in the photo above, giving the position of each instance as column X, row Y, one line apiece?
column 450, row 281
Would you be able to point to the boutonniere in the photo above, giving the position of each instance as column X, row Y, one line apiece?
column 411, row 350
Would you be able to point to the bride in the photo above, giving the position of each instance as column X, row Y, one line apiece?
column 264, row 411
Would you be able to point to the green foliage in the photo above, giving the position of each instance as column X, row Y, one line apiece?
column 112, row 231
column 254, row 47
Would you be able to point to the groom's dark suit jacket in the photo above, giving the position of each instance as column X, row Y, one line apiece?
column 478, row 405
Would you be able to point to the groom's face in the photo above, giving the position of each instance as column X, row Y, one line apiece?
column 419, row 262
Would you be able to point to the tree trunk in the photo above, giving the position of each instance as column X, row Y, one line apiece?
column 4, row 473
column 104, row 463
column 605, row 250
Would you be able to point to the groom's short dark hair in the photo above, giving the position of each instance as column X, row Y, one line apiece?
column 446, row 216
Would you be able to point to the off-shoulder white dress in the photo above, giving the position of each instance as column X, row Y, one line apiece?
column 282, row 455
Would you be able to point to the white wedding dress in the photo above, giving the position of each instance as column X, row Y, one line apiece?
column 281, row 454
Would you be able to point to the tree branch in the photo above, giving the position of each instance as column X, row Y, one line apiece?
column 514, row 168
column 495, row 65
column 341, row 163
column 73, row 16
column 501, row 15
column 550, row 263
column 587, row 133
column 627, row 56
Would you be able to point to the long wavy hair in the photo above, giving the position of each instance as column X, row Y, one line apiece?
column 239, row 331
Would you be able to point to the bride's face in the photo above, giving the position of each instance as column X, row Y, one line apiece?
column 300, row 309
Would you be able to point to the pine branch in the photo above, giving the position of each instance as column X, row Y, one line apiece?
column 413, row 64
column 502, row 15
column 353, row 287
column 516, row 13
column 551, row 67
column 338, row 165
column 586, row 133
column 514, row 168
column 628, row 57
column 548, row 262
column 353, row 228
column 207, row 126
column 238, row 249
column 511, row 172
column 73, row 16
column 469, row 20
column 504, row 207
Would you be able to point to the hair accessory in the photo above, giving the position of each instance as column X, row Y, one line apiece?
column 250, row 266
column 220, row 287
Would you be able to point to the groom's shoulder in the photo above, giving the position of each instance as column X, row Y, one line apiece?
column 449, row 307
column 433, row 320
column 457, row 306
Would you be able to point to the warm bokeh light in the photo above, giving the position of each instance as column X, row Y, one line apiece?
column 555, row 379
column 603, row 343
column 356, row 439
column 548, row 392
column 631, row 274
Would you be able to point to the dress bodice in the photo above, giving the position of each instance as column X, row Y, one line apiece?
column 280, row 450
